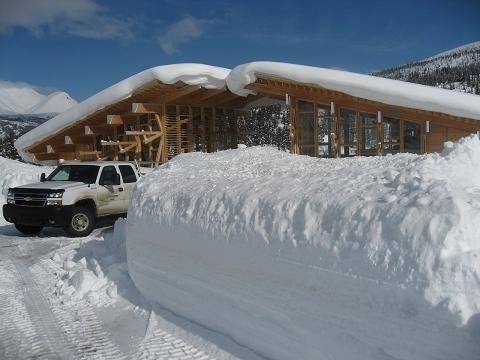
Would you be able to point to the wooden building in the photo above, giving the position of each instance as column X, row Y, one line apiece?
column 174, row 109
column 326, row 123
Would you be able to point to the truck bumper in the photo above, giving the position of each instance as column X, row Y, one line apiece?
column 38, row 216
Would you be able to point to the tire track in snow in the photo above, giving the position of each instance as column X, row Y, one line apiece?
column 159, row 344
column 21, row 337
column 53, row 338
column 87, row 334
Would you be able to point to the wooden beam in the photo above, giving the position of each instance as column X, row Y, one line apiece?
column 146, row 108
column 55, row 148
column 124, row 146
column 241, row 102
column 177, row 94
column 79, row 139
column 221, row 98
column 46, row 156
column 116, row 143
column 103, row 129
column 202, row 97
column 121, row 119
column 54, row 156
column 83, row 153
column 142, row 132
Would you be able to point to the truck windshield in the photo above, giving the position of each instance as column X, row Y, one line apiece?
column 83, row 173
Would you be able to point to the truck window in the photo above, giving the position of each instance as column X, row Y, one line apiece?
column 107, row 173
column 83, row 173
column 128, row 174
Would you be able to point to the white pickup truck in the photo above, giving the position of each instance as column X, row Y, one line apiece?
column 73, row 196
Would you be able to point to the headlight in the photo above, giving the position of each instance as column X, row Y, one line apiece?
column 10, row 197
column 55, row 199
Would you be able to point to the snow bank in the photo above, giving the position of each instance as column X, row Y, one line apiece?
column 298, row 257
column 95, row 270
column 14, row 173
column 388, row 91
column 209, row 77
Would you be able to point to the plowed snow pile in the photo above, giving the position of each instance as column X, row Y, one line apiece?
column 304, row 258
column 14, row 173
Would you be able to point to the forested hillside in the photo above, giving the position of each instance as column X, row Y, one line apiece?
column 457, row 69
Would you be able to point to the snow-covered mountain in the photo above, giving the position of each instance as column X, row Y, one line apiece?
column 20, row 98
column 14, row 126
column 456, row 69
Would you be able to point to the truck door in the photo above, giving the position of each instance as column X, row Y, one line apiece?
column 129, row 179
column 110, row 194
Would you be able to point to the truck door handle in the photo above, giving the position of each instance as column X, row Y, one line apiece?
column 120, row 189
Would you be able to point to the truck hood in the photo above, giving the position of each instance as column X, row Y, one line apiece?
column 53, row 185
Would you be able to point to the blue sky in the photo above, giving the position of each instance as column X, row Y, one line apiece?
column 83, row 46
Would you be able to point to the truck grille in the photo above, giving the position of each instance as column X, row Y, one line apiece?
column 30, row 197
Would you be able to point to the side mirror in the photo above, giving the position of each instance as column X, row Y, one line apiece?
column 42, row 177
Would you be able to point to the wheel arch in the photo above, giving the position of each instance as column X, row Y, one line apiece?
column 88, row 203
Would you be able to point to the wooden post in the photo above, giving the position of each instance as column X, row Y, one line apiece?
column 190, row 137
column 204, row 146
column 178, row 132
column 426, row 136
column 380, row 146
column 337, row 119
column 212, row 132
column 294, row 129
column 315, row 130
column 402, row 136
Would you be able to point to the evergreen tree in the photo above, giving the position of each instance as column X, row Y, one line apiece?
column 265, row 125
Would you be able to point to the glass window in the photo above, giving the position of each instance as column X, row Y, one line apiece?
column 348, row 132
column 128, row 174
column 107, row 173
column 82, row 173
column 308, row 129
column 305, row 106
column 325, row 128
column 411, row 137
column 306, row 118
column 391, row 135
column 369, row 139
column 369, row 133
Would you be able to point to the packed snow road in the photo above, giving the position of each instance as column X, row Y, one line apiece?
column 41, row 318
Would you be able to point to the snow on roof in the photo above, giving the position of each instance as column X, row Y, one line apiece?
column 392, row 92
column 388, row 91
column 209, row 77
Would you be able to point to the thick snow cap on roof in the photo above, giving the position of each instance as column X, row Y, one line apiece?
column 209, row 77
column 391, row 92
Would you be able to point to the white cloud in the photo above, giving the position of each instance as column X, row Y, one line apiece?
column 84, row 18
column 181, row 32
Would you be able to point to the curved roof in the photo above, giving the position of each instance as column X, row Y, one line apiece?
column 387, row 91
column 209, row 77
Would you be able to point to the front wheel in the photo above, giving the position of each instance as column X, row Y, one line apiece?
column 28, row 230
column 81, row 222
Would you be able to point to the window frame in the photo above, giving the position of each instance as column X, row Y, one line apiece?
column 133, row 173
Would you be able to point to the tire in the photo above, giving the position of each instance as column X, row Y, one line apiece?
column 28, row 230
column 81, row 223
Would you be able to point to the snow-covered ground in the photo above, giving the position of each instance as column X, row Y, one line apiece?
column 63, row 298
column 258, row 254
column 305, row 258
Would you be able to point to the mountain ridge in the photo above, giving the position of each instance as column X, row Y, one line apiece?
column 455, row 69
column 23, row 99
